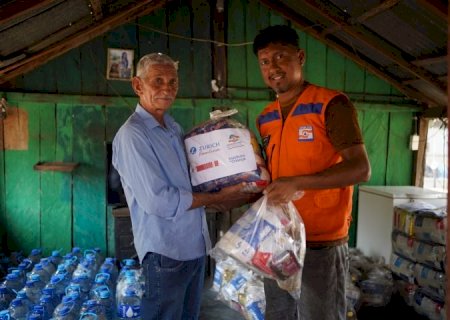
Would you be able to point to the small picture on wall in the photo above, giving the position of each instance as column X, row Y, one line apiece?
column 120, row 64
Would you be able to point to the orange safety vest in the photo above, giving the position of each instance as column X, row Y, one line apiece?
column 300, row 146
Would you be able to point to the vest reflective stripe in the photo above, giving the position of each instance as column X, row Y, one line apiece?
column 300, row 146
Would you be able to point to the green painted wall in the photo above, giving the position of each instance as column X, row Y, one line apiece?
column 74, row 111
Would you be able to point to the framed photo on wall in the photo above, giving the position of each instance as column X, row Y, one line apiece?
column 120, row 64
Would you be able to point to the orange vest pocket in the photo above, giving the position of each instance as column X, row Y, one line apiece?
column 327, row 198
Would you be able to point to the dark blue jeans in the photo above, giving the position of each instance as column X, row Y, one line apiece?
column 173, row 288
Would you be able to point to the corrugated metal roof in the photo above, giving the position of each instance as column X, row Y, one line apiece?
column 403, row 41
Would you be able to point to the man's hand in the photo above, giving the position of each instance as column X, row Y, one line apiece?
column 225, row 199
column 282, row 190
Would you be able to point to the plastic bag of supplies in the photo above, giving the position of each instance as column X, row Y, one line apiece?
column 269, row 240
column 223, row 152
column 239, row 288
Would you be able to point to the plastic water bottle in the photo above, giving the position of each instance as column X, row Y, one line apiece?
column 129, row 305
column 35, row 255
column 33, row 289
column 18, row 310
column 48, row 266
column 76, row 251
column 99, row 256
column 25, row 300
column 69, row 307
column 86, row 267
column 101, row 279
column 6, row 296
column 47, row 304
column 70, row 262
column 38, row 269
column 12, row 282
column 56, row 258
column 20, row 275
column 4, row 315
column 58, row 283
column 109, row 266
column 104, row 298
column 81, row 283
column 37, row 313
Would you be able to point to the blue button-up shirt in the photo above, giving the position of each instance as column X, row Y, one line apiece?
column 154, row 173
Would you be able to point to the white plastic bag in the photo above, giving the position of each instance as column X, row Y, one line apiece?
column 269, row 240
column 223, row 152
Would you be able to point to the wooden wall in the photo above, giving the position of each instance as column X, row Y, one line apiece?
column 73, row 111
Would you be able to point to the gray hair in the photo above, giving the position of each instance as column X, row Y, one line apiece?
column 154, row 59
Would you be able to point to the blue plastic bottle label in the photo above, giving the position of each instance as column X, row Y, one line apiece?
column 128, row 312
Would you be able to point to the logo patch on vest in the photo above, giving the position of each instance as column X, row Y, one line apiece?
column 305, row 133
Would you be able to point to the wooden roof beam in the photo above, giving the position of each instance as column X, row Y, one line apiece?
column 436, row 7
column 96, row 9
column 384, row 6
column 130, row 12
column 429, row 61
column 15, row 9
column 328, row 12
column 301, row 23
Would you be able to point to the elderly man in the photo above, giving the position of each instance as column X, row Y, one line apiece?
column 168, row 219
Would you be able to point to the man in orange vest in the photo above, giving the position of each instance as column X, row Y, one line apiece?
column 312, row 143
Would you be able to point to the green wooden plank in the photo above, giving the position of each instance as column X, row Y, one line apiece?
column 202, row 54
column 56, row 187
column 276, row 18
column 400, row 158
column 256, row 19
column 115, row 117
column 354, row 77
column 181, row 49
column 111, row 247
column 335, row 76
column 376, row 85
column 375, row 128
column 32, row 81
column 152, row 37
column 66, row 73
column 22, row 185
column 184, row 116
column 316, row 59
column 202, row 109
column 2, row 188
column 236, row 55
column 93, row 67
column 89, row 197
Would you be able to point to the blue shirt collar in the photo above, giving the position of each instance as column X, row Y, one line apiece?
column 150, row 120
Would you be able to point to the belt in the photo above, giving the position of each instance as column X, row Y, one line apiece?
column 317, row 245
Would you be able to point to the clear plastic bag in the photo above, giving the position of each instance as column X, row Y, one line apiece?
column 223, row 152
column 269, row 240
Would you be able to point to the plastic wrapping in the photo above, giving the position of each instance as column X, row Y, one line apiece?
column 430, row 279
column 269, row 240
column 240, row 288
column 424, row 305
column 428, row 253
column 403, row 267
column 376, row 290
column 223, row 152
column 421, row 220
